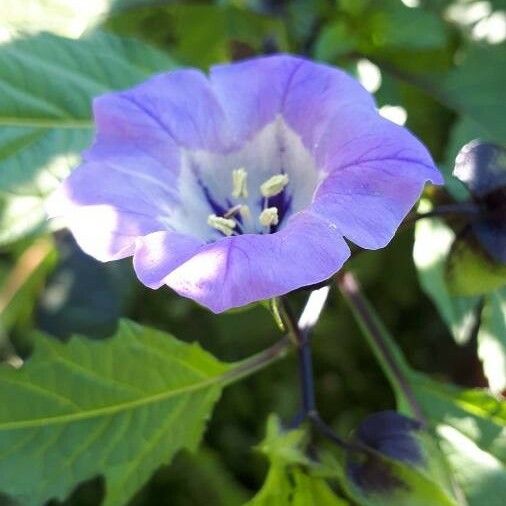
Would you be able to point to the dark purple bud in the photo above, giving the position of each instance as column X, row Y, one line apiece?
column 388, row 434
column 481, row 167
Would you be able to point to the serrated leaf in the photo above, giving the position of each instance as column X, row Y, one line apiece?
column 291, row 479
column 46, row 87
column 119, row 407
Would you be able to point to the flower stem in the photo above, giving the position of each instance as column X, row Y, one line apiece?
column 304, row 355
column 300, row 331
column 393, row 365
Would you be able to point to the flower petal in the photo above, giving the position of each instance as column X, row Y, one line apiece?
column 131, row 172
column 159, row 253
column 377, row 173
column 238, row 270
column 180, row 104
column 305, row 93
column 108, row 204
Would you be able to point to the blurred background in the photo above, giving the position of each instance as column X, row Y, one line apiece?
column 436, row 66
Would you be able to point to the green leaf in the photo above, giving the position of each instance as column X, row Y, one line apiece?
column 399, row 464
column 396, row 26
column 476, row 89
column 119, row 407
column 433, row 242
column 492, row 340
column 47, row 84
column 467, row 415
column 398, row 484
column 292, row 478
column 475, row 413
column 454, row 276
column 200, row 34
column 334, row 40
column 469, row 271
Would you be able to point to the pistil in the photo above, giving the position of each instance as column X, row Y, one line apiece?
column 239, row 183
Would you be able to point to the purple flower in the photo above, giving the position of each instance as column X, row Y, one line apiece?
column 243, row 185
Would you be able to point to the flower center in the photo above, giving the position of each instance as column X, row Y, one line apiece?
column 269, row 217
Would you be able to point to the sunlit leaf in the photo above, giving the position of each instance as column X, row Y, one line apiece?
column 472, row 415
column 61, row 17
column 291, row 481
column 118, row 408
column 433, row 242
column 402, row 464
column 47, row 84
column 492, row 340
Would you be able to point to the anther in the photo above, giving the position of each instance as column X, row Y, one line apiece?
column 239, row 183
column 224, row 225
column 269, row 217
column 274, row 185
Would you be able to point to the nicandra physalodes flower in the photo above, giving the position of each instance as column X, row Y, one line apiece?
column 242, row 185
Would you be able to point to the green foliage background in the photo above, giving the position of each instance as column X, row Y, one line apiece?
column 435, row 61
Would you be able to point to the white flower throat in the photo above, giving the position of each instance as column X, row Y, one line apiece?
column 268, row 217
column 253, row 189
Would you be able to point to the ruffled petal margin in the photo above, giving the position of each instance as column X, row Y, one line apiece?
column 238, row 270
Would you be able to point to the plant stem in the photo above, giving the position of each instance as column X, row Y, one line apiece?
column 327, row 431
column 393, row 365
column 457, row 209
column 301, row 337
column 259, row 361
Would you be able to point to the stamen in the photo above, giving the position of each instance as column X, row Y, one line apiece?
column 274, row 185
column 241, row 209
column 269, row 217
column 224, row 225
column 239, row 183
column 233, row 211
